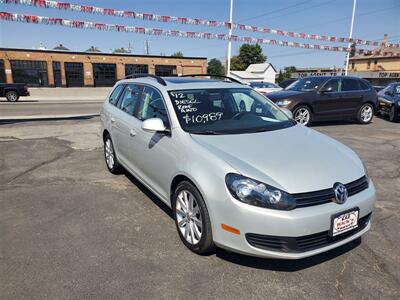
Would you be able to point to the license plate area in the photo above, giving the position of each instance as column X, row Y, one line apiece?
column 344, row 221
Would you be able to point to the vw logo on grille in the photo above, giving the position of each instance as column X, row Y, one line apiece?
column 340, row 193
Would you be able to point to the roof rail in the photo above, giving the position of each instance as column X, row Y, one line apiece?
column 214, row 75
column 158, row 78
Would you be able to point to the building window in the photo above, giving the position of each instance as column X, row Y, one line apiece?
column 74, row 74
column 352, row 66
column 57, row 73
column 136, row 69
column 165, row 70
column 2, row 73
column 368, row 64
column 31, row 72
column 104, row 74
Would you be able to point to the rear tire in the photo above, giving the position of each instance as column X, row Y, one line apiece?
column 110, row 157
column 302, row 115
column 392, row 114
column 191, row 218
column 12, row 96
column 365, row 114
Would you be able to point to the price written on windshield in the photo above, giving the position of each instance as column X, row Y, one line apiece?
column 204, row 118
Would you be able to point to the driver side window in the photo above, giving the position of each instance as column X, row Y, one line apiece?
column 152, row 106
column 331, row 86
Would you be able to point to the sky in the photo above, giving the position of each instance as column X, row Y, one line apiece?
column 373, row 19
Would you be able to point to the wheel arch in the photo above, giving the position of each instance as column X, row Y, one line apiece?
column 105, row 133
column 303, row 104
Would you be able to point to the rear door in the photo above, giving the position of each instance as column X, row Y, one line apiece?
column 352, row 96
column 124, row 126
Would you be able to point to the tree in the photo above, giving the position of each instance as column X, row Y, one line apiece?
column 215, row 67
column 286, row 74
column 177, row 54
column 237, row 63
column 248, row 54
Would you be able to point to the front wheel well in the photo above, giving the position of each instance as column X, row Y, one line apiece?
column 105, row 133
column 303, row 104
column 177, row 180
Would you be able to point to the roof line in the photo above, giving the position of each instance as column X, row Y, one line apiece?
column 98, row 53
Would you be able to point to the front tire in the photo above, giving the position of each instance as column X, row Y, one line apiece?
column 302, row 115
column 392, row 115
column 191, row 218
column 365, row 114
column 12, row 96
column 110, row 157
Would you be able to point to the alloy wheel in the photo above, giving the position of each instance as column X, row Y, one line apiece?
column 367, row 113
column 109, row 152
column 391, row 114
column 188, row 217
column 12, row 96
column 302, row 116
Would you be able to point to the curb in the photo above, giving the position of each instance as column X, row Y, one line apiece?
column 12, row 119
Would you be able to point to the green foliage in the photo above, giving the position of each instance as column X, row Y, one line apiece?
column 177, row 54
column 248, row 54
column 215, row 67
column 286, row 74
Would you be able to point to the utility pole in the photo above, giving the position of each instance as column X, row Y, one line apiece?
column 228, row 68
column 351, row 35
column 146, row 47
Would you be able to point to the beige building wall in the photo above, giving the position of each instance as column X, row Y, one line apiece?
column 375, row 64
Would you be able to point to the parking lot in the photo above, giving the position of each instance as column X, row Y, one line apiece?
column 70, row 229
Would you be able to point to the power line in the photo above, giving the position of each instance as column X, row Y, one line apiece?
column 275, row 11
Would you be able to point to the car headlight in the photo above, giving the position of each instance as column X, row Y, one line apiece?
column 256, row 193
column 283, row 102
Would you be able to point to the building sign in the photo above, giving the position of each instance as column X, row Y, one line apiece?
column 306, row 74
column 8, row 71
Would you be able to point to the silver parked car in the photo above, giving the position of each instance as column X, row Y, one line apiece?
column 236, row 170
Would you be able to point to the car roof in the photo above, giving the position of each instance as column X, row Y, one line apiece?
column 184, row 83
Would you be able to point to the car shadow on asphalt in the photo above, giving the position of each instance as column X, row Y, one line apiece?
column 285, row 265
column 333, row 123
column 282, row 265
column 149, row 194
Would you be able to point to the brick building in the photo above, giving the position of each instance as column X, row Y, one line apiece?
column 55, row 68
column 380, row 67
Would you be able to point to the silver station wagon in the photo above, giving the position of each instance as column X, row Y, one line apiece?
column 236, row 170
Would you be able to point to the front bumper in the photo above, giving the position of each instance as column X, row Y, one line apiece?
column 293, row 224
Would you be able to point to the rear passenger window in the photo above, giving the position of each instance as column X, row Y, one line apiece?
column 349, row 85
column 363, row 85
column 130, row 98
column 115, row 94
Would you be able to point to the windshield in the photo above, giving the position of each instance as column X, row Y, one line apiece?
column 306, row 84
column 227, row 111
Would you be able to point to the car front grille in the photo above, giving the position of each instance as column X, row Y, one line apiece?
column 302, row 243
column 327, row 195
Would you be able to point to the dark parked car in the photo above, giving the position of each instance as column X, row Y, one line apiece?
column 328, row 98
column 389, row 101
column 284, row 84
column 12, row 91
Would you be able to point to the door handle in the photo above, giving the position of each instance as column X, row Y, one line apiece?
column 112, row 120
column 132, row 133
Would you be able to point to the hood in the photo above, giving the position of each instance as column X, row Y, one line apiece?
column 296, row 159
column 285, row 95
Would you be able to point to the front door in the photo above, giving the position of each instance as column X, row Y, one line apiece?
column 327, row 99
column 157, row 151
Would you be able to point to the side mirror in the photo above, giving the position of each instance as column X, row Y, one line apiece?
column 389, row 93
column 287, row 112
column 154, row 125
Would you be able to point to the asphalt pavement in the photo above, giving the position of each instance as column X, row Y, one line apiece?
column 70, row 229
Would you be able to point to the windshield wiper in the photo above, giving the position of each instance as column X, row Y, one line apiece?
column 209, row 132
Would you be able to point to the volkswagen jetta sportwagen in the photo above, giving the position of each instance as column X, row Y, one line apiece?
column 235, row 168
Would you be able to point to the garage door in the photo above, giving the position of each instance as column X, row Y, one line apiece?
column 74, row 74
column 104, row 74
